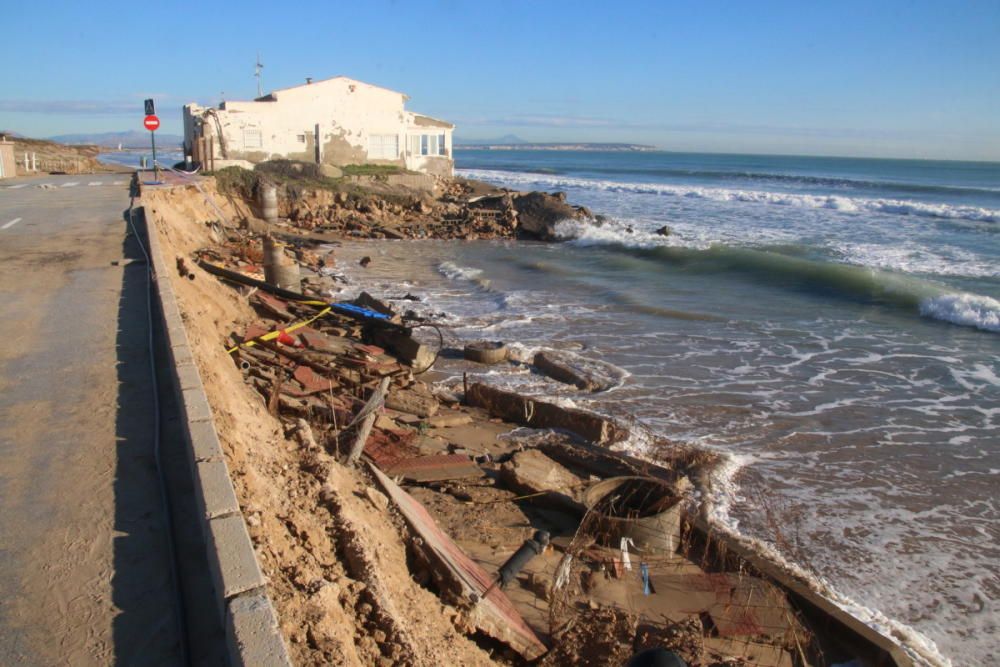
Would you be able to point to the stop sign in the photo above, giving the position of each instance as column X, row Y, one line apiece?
column 151, row 123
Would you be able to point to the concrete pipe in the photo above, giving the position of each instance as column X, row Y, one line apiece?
column 278, row 269
column 486, row 352
column 641, row 508
column 269, row 202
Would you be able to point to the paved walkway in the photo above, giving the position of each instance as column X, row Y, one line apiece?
column 84, row 572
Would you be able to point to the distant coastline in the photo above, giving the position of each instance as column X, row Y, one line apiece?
column 603, row 147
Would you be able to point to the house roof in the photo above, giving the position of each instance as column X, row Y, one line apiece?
column 332, row 78
column 426, row 121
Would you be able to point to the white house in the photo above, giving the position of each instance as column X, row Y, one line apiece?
column 336, row 121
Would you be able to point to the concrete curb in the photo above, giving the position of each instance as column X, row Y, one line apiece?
column 252, row 633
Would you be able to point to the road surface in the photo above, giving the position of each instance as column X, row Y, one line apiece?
column 84, row 568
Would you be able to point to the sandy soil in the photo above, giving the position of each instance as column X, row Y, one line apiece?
column 336, row 564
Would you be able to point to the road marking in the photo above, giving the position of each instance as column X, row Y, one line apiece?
column 96, row 183
column 119, row 183
column 11, row 223
column 70, row 184
column 15, row 187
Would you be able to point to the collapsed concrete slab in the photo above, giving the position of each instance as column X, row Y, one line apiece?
column 539, row 414
column 571, row 369
column 532, row 472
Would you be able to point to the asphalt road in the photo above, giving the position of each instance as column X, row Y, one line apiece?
column 84, row 567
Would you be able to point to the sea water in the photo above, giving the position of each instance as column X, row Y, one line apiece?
column 831, row 326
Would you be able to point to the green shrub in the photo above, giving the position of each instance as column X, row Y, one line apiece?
column 236, row 181
column 285, row 170
column 372, row 170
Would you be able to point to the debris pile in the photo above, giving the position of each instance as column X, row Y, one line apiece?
column 455, row 209
column 395, row 492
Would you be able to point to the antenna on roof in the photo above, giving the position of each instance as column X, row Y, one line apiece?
column 256, row 73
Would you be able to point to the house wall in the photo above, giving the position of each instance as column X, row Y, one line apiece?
column 337, row 122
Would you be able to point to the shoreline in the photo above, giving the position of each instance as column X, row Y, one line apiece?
column 189, row 243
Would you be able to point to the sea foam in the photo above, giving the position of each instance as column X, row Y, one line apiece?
column 839, row 203
column 971, row 310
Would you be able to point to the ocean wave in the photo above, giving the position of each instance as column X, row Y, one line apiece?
column 865, row 283
column 839, row 203
column 834, row 182
column 970, row 310
column 456, row 272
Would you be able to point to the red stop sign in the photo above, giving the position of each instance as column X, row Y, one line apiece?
column 151, row 123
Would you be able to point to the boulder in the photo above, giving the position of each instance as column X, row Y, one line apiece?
column 330, row 171
column 539, row 212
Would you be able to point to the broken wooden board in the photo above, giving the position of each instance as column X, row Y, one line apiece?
column 436, row 468
column 493, row 614
column 539, row 414
column 321, row 342
column 273, row 305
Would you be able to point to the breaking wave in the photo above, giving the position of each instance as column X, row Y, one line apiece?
column 834, row 202
column 770, row 266
column 970, row 310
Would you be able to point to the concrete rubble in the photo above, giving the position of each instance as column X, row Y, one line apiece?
column 462, row 499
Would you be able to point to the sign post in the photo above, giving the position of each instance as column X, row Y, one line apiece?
column 152, row 123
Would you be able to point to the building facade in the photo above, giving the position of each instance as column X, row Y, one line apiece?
column 337, row 122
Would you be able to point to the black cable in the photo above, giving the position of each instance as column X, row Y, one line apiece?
column 164, row 493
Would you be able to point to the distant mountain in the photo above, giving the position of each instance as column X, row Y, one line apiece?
column 130, row 139
column 564, row 146
column 507, row 140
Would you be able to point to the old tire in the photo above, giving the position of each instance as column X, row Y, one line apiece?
column 486, row 352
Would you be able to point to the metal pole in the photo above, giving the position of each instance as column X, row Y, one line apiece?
column 156, row 169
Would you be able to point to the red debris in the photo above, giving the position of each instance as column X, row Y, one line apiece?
column 388, row 447
column 312, row 381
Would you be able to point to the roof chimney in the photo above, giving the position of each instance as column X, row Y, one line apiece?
column 309, row 80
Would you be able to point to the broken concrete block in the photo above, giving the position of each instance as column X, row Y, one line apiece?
column 571, row 369
column 404, row 347
column 404, row 400
column 531, row 471
column 449, row 420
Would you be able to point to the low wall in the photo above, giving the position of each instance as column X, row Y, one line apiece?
column 415, row 181
column 247, row 614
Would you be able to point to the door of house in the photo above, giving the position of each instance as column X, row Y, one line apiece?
column 319, row 148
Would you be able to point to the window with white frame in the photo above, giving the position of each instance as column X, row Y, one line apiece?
column 252, row 138
column 442, row 147
column 383, row 146
column 425, row 141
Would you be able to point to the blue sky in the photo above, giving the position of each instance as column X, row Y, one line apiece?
column 895, row 79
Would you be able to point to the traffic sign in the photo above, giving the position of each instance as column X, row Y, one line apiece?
column 150, row 109
column 151, row 123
